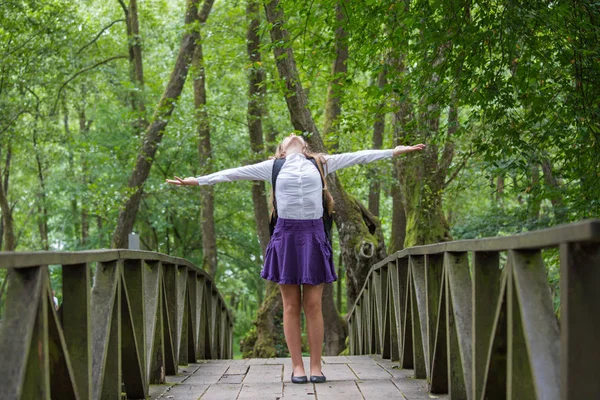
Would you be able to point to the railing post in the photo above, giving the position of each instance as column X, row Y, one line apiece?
column 76, row 324
column 485, row 298
column 580, row 324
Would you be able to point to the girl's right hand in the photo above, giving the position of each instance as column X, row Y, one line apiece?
column 190, row 181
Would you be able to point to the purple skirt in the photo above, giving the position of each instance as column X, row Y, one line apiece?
column 299, row 254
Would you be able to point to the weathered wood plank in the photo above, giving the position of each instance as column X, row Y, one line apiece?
column 207, row 374
column 460, row 321
column 185, row 391
column 182, row 328
column 153, row 322
column 486, row 294
column 261, row 391
column 106, row 355
column 224, row 391
column 416, row 389
column 540, row 327
column 156, row 391
column 17, row 330
column 433, row 284
column 193, row 318
column 379, row 389
column 237, row 369
column 418, row 351
column 62, row 380
column 134, row 278
column 494, row 379
column 77, row 325
column 295, row 391
column 168, row 324
column 338, row 372
column 365, row 371
column 386, row 329
column 36, row 384
column 439, row 361
column 580, row 307
column 132, row 350
column 394, row 312
column 519, row 382
column 334, row 359
column 232, row 378
column 341, row 390
column 420, row 299
column 264, row 373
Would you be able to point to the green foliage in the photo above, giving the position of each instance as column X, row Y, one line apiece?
column 524, row 74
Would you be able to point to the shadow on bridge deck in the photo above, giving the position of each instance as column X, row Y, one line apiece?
column 348, row 378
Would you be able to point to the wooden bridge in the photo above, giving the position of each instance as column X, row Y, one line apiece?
column 469, row 319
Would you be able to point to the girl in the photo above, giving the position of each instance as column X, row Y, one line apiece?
column 299, row 253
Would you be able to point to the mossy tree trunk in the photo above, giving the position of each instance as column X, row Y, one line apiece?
column 266, row 339
column 335, row 326
column 423, row 180
column 378, row 129
column 209, row 239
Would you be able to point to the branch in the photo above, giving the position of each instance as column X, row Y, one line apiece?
column 123, row 6
column 446, row 159
column 98, row 35
column 23, row 111
column 459, row 168
column 205, row 10
column 81, row 72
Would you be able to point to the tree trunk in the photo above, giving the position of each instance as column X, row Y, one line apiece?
column 402, row 130
column 555, row 192
column 42, row 217
column 136, row 68
column 423, row 175
column 500, row 190
column 535, row 199
column 209, row 240
column 256, row 98
column 155, row 130
column 84, row 129
column 378, row 128
column 269, row 329
column 10, row 242
column 339, row 69
column 335, row 327
column 75, row 199
column 361, row 239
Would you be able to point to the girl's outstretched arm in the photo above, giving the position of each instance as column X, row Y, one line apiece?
column 344, row 160
column 254, row 172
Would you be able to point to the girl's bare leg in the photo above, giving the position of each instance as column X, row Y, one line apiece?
column 291, row 325
column 311, row 301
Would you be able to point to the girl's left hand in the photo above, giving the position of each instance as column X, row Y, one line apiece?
column 191, row 181
column 407, row 149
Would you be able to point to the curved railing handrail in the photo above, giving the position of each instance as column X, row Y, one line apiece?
column 18, row 259
column 146, row 313
column 474, row 326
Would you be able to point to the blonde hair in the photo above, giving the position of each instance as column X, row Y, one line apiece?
column 320, row 159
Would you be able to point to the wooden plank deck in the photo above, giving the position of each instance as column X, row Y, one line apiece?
column 348, row 378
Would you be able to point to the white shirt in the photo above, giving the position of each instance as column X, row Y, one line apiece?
column 299, row 188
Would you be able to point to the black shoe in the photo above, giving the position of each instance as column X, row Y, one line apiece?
column 299, row 379
column 318, row 378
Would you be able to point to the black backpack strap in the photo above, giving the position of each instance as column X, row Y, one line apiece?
column 277, row 165
column 327, row 218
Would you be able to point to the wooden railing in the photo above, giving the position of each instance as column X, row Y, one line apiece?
column 139, row 317
column 476, row 318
